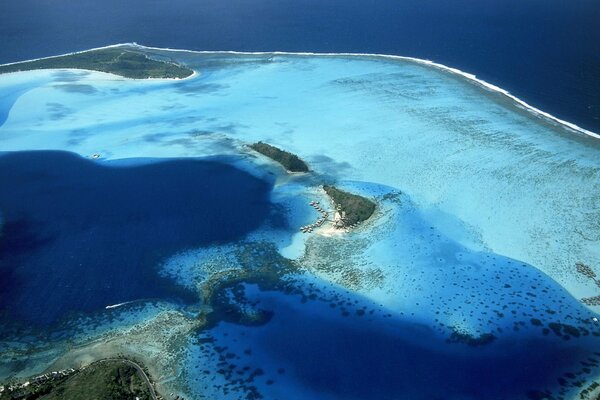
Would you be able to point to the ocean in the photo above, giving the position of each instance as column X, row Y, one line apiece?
column 545, row 52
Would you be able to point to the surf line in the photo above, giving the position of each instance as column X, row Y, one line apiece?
column 455, row 71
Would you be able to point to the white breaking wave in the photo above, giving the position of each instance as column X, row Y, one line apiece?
column 470, row 77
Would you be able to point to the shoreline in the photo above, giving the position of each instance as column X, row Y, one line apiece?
column 53, row 381
column 112, row 46
column 454, row 71
column 109, row 74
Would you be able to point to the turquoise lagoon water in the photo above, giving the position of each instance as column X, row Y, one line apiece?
column 469, row 267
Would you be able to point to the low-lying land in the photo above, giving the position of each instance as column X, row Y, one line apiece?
column 119, row 61
column 353, row 208
column 289, row 161
column 105, row 379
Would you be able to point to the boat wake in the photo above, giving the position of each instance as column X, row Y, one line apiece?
column 118, row 305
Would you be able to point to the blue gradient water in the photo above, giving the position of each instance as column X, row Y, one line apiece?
column 546, row 52
column 79, row 235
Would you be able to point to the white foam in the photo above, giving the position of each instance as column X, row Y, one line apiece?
column 72, row 53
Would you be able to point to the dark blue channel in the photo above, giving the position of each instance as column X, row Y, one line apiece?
column 78, row 235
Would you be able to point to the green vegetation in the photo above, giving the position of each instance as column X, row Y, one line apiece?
column 119, row 61
column 353, row 208
column 102, row 380
column 290, row 161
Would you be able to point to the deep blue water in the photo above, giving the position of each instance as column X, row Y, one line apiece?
column 78, row 235
column 328, row 354
column 544, row 51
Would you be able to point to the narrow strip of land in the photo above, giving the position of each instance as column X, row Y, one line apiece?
column 120, row 61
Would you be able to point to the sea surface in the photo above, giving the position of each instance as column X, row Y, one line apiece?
column 144, row 196
column 545, row 52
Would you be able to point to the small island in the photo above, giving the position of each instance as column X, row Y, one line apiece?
column 352, row 209
column 114, row 60
column 289, row 161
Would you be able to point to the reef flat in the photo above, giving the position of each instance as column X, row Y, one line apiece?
column 124, row 62
column 469, row 281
